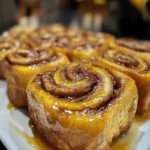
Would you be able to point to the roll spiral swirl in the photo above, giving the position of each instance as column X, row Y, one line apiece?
column 133, row 64
column 86, row 86
column 31, row 57
column 49, row 35
column 126, row 59
column 68, row 39
column 86, row 45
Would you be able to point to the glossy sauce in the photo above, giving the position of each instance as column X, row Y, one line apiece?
column 35, row 141
column 126, row 142
column 11, row 106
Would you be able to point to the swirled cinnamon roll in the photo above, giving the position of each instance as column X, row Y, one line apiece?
column 76, row 44
column 45, row 35
column 9, row 44
column 130, row 63
column 36, row 40
column 80, row 106
column 86, row 45
column 21, row 65
column 140, row 46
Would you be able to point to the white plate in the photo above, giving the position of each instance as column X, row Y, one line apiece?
column 19, row 119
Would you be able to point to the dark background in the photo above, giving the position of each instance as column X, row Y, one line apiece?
column 120, row 17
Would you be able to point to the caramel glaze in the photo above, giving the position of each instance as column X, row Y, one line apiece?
column 11, row 106
column 120, row 147
column 125, row 142
column 37, row 142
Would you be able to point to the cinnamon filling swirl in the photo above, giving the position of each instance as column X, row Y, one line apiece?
column 122, row 59
column 87, row 87
column 84, row 41
column 31, row 57
column 69, row 40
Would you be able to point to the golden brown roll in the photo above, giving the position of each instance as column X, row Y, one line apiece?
column 140, row 46
column 48, row 35
column 21, row 65
column 130, row 63
column 87, row 45
column 79, row 45
column 9, row 44
column 76, row 44
column 82, row 107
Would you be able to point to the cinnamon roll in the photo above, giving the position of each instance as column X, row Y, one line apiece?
column 86, row 46
column 82, row 107
column 130, row 63
column 21, row 65
column 6, row 46
column 140, row 46
column 45, row 36
column 9, row 44
column 76, row 44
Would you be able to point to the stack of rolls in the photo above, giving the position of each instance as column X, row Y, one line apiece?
column 76, row 83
